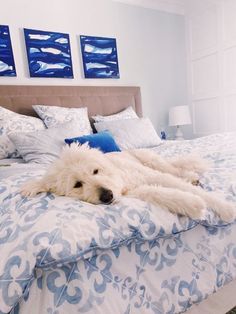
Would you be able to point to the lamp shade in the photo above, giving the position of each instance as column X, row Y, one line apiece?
column 179, row 115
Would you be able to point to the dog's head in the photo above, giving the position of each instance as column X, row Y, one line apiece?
column 86, row 174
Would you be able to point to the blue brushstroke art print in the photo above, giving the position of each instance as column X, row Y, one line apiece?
column 49, row 54
column 7, row 64
column 99, row 57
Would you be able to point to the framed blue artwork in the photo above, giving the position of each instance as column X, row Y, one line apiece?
column 7, row 64
column 99, row 57
column 49, row 54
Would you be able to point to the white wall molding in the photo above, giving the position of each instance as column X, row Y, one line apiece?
column 211, row 47
column 170, row 6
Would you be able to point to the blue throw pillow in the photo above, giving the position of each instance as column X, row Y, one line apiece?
column 103, row 141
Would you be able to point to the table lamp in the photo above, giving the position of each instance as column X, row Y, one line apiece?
column 179, row 115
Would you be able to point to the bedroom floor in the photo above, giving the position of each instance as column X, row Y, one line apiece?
column 221, row 302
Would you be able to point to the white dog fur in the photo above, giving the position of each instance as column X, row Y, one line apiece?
column 91, row 176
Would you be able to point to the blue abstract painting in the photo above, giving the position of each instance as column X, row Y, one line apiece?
column 49, row 54
column 99, row 57
column 7, row 64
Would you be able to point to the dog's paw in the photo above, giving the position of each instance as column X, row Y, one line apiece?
column 224, row 209
column 229, row 213
column 197, row 209
column 197, row 213
column 30, row 189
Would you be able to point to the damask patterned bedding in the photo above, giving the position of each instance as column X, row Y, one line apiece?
column 59, row 255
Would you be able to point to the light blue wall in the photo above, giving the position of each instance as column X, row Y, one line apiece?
column 151, row 46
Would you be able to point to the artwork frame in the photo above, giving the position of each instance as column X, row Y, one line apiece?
column 48, row 53
column 100, row 57
column 7, row 62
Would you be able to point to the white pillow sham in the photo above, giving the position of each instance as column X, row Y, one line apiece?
column 44, row 146
column 131, row 133
column 14, row 122
column 128, row 113
column 53, row 116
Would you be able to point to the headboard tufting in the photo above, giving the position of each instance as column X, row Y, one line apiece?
column 104, row 100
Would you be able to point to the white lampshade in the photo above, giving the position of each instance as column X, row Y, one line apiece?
column 179, row 115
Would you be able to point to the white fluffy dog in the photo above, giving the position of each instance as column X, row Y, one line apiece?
column 94, row 177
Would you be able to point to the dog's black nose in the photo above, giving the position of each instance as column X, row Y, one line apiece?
column 106, row 196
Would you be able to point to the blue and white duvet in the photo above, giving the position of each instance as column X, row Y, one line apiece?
column 59, row 255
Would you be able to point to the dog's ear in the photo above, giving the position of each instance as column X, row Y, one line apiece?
column 74, row 147
column 85, row 146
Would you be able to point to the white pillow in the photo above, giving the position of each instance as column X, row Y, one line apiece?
column 128, row 113
column 11, row 122
column 53, row 116
column 44, row 146
column 131, row 133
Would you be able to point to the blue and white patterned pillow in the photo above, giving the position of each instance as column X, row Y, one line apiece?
column 14, row 122
column 131, row 133
column 53, row 116
column 44, row 146
column 128, row 113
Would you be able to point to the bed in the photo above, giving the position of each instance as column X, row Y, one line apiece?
column 60, row 255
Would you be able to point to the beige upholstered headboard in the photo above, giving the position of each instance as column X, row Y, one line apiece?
column 104, row 100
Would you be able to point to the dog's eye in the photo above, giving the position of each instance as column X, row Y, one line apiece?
column 95, row 171
column 78, row 184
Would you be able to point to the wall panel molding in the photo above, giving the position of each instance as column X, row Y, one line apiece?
column 211, row 58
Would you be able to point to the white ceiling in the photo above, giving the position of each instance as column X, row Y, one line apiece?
column 171, row 6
